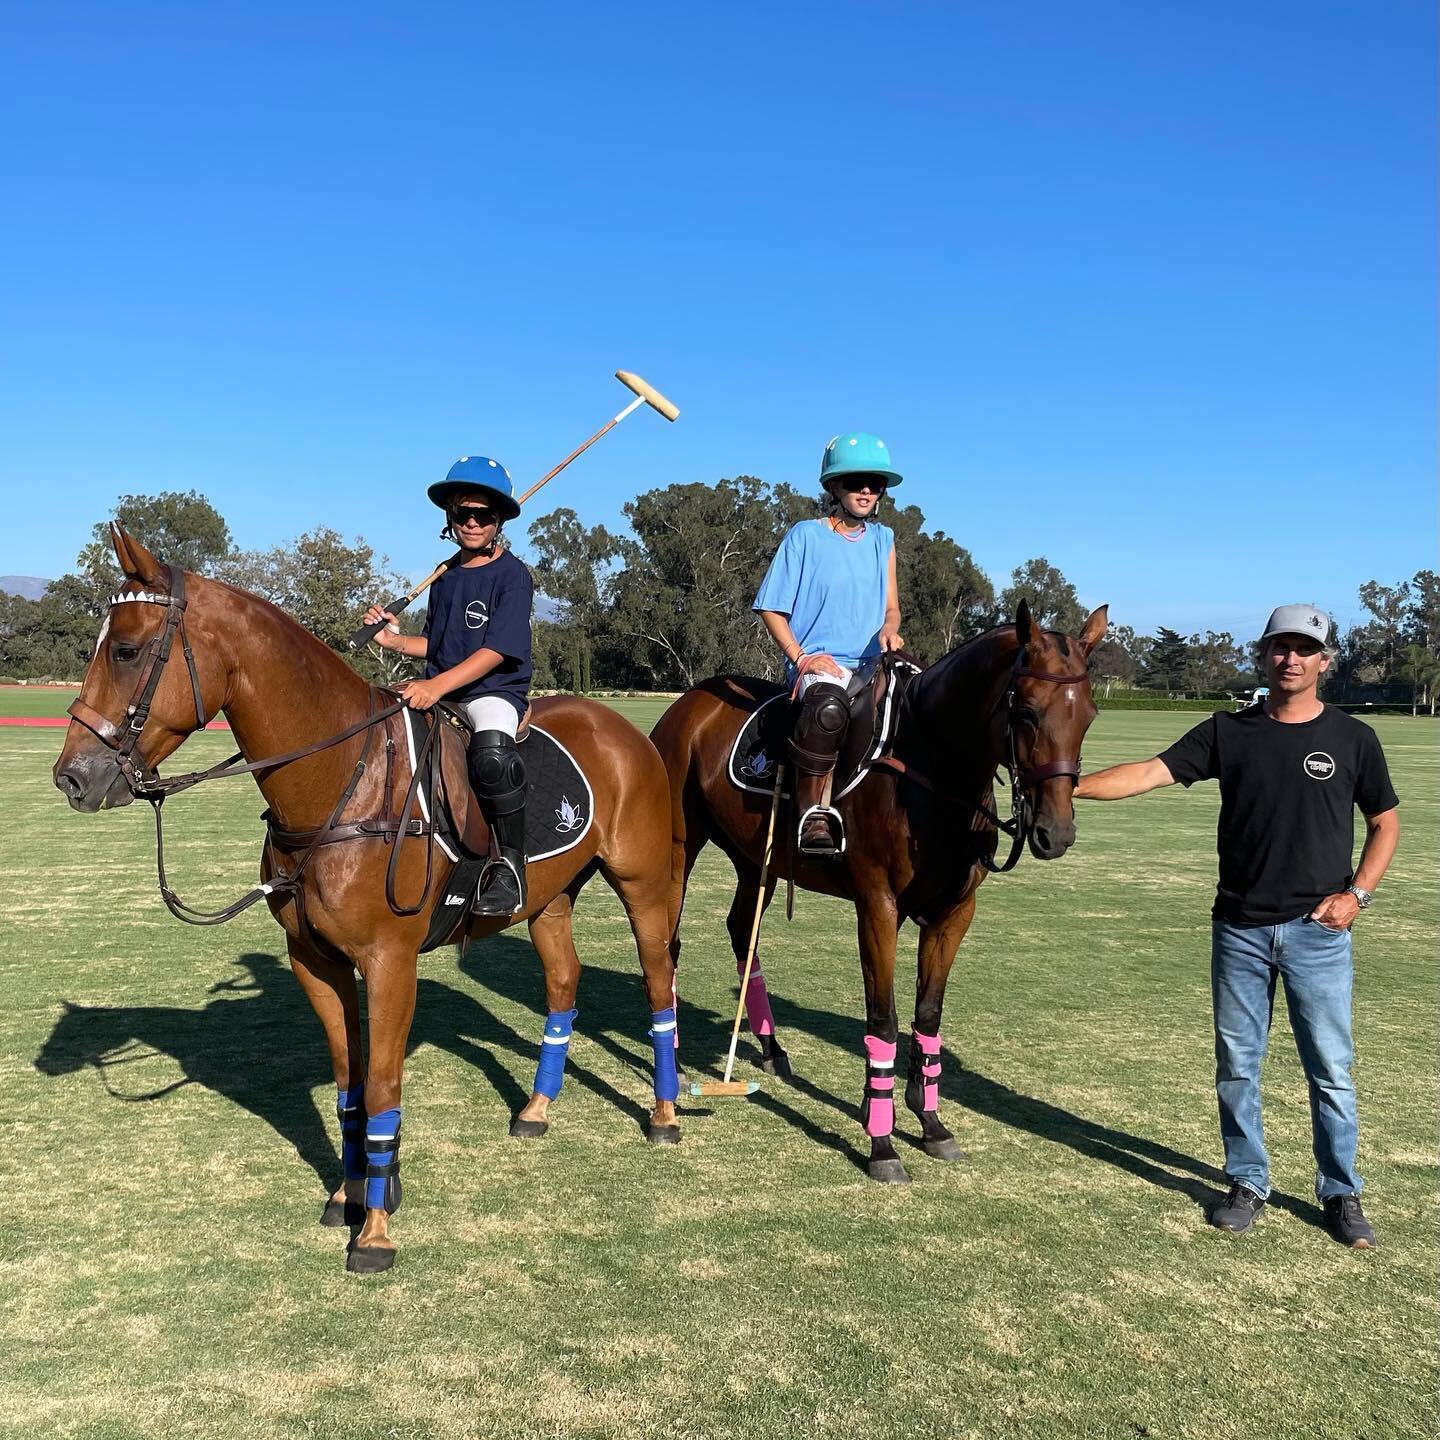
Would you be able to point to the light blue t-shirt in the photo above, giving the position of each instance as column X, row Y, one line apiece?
column 832, row 589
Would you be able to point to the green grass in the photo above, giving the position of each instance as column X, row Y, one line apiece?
column 162, row 1272
column 30, row 700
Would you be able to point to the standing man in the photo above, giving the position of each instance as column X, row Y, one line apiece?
column 1292, row 770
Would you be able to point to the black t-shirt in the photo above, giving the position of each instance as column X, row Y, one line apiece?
column 483, row 607
column 1287, row 805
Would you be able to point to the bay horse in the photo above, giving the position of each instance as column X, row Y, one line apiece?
column 921, row 828
column 329, row 754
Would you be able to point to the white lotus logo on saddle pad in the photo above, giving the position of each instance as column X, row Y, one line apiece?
column 568, row 817
column 1318, row 765
column 758, row 765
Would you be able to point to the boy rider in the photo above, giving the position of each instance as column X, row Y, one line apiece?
column 830, row 601
column 476, row 648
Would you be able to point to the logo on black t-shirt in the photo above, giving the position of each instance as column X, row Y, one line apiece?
column 1318, row 765
column 476, row 615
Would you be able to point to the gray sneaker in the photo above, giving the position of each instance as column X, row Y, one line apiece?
column 1347, row 1223
column 1237, row 1211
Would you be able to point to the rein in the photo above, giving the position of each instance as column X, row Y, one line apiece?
column 1022, row 781
column 145, row 783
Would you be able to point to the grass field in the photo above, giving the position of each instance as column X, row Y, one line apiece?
column 170, row 1132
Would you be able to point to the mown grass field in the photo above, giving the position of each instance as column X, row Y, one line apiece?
column 170, row 1133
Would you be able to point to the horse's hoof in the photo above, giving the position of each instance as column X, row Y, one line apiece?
column 528, row 1129
column 340, row 1213
column 369, row 1259
column 887, row 1172
column 777, row 1063
column 663, row 1134
column 945, row 1149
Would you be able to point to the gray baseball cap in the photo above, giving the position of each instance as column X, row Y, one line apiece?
column 1308, row 620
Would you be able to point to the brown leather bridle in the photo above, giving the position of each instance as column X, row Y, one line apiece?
column 1023, row 781
column 123, row 737
column 145, row 783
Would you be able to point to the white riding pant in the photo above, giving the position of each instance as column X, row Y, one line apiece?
column 490, row 712
column 813, row 678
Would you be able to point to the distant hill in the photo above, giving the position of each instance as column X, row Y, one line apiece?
column 31, row 587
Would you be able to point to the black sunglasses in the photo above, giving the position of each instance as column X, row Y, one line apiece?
column 854, row 484
column 461, row 515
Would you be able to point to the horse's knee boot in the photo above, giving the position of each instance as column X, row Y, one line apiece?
column 497, row 774
column 382, row 1161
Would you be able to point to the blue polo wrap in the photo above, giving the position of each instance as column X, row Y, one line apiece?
column 382, row 1161
column 554, row 1047
column 662, row 1037
column 350, row 1108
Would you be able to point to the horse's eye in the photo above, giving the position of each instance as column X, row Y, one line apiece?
column 124, row 654
column 1027, row 716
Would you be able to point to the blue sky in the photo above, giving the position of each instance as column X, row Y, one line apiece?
column 1145, row 289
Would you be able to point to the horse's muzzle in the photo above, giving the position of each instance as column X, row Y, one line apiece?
column 92, row 782
column 1051, row 837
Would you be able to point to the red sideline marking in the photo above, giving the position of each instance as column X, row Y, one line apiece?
column 56, row 721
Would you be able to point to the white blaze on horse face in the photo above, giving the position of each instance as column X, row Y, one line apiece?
column 1070, row 696
column 104, row 631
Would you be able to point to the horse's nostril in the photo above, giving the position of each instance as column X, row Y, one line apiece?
column 67, row 784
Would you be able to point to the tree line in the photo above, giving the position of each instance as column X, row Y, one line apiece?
column 668, row 603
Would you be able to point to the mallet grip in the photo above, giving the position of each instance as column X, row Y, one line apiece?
column 366, row 633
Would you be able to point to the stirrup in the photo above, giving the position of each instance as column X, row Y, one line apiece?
column 834, row 824
column 486, row 904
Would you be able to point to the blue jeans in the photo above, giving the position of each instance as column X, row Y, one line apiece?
column 1315, row 963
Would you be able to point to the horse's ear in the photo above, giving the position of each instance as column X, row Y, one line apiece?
column 1024, row 626
column 1094, row 628
column 135, row 560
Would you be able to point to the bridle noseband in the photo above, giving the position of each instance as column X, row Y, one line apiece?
column 123, row 737
column 1024, row 781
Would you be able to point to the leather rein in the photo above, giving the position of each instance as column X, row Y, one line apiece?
column 1022, row 780
column 145, row 782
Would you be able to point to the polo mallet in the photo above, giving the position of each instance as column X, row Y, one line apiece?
column 645, row 394
column 727, row 1086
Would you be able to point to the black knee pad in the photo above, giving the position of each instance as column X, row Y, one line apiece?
column 819, row 729
column 497, row 772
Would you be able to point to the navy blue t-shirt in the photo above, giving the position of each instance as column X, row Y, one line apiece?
column 483, row 607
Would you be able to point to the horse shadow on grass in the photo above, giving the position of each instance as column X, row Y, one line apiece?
column 257, row 1043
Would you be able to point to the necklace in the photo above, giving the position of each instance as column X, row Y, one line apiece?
column 845, row 534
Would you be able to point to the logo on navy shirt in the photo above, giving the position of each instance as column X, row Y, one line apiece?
column 1319, row 766
column 476, row 615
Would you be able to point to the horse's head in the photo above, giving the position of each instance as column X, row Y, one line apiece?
column 134, row 707
column 1049, row 710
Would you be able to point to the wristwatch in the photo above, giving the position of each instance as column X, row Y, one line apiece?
column 1362, row 897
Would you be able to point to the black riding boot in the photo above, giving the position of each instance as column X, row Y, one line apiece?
column 814, row 747
column 497, row 774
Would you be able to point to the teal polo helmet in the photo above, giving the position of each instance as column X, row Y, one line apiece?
column 857, row 453
column 478, row 472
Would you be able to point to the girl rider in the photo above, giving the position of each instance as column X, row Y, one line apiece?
column 830, row 600
column 476, row 648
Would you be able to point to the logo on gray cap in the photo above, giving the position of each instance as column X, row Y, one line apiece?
column 1307, row 620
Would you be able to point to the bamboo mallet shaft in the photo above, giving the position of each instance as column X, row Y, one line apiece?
column 755, row 923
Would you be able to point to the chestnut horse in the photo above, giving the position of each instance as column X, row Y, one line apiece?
column 921, row 832
column 284, row 692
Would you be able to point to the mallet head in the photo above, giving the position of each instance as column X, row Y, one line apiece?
column 649, row 394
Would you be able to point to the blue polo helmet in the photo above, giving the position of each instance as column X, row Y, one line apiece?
column 478, row 473
column 857, row 453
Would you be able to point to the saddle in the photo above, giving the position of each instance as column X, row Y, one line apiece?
column 873, row 698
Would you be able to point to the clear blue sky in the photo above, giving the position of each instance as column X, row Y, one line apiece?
column 1146, row 289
